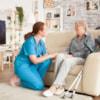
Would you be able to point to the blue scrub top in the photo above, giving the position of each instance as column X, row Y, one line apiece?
column 30, row 47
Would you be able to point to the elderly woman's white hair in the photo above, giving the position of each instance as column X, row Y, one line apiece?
column 81, row 23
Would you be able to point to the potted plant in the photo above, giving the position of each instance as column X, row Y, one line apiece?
column 20, row 14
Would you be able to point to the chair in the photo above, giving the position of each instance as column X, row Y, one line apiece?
column 1, row 61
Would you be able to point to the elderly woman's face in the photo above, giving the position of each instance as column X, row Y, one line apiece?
column 80, row 30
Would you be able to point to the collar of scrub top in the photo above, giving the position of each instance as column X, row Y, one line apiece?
column 36, row 45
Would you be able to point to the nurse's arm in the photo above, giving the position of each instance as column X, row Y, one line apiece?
column 37, row 60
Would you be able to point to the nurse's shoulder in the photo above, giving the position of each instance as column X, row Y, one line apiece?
column 29, row 40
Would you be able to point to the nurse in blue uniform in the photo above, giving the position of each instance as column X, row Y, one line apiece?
column 32, row 62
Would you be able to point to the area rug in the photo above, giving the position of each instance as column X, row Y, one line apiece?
column 8, row 92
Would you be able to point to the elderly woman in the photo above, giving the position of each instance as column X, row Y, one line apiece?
column 80, row 47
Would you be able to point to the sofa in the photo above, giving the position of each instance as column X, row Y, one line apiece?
column 90, row 82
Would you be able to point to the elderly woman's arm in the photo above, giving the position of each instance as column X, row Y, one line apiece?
column 90, row 43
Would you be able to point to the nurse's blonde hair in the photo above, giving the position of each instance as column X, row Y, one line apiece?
column 81, row 23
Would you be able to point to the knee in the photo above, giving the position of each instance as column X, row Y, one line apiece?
column 67, row 61
column 39, row 86
column 60, row 56
column 47, row 62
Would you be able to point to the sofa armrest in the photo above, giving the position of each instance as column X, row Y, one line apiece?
column 91, row 75
column 50, row 76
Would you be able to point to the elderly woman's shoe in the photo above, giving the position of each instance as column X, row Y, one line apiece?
column 59, row 90
column 50, row 92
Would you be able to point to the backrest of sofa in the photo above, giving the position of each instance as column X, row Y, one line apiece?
column 95, row 33
column 58, row 41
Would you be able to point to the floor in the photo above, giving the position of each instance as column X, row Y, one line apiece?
column 6, row 75
column 97, row 98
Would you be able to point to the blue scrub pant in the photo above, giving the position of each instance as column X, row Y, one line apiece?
column 31, row 76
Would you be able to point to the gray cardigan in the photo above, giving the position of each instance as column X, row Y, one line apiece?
column 81, row 47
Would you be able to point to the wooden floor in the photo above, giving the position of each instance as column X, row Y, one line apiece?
column 97, row 98
column 6, row 75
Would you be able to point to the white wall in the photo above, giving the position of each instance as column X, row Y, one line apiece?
column 28, row 7
column 4, row 4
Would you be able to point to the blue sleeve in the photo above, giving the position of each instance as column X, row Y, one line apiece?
column 29, row 47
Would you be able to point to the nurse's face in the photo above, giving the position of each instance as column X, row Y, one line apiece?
column 43, row 32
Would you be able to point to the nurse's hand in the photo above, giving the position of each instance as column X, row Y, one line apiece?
column 35, row 60
column 53, row 56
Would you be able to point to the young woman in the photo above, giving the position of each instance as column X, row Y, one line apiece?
column 80, row 47
column 32, row 62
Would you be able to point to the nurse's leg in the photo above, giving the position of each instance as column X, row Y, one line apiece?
column 43, row 67
column 30, row 78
